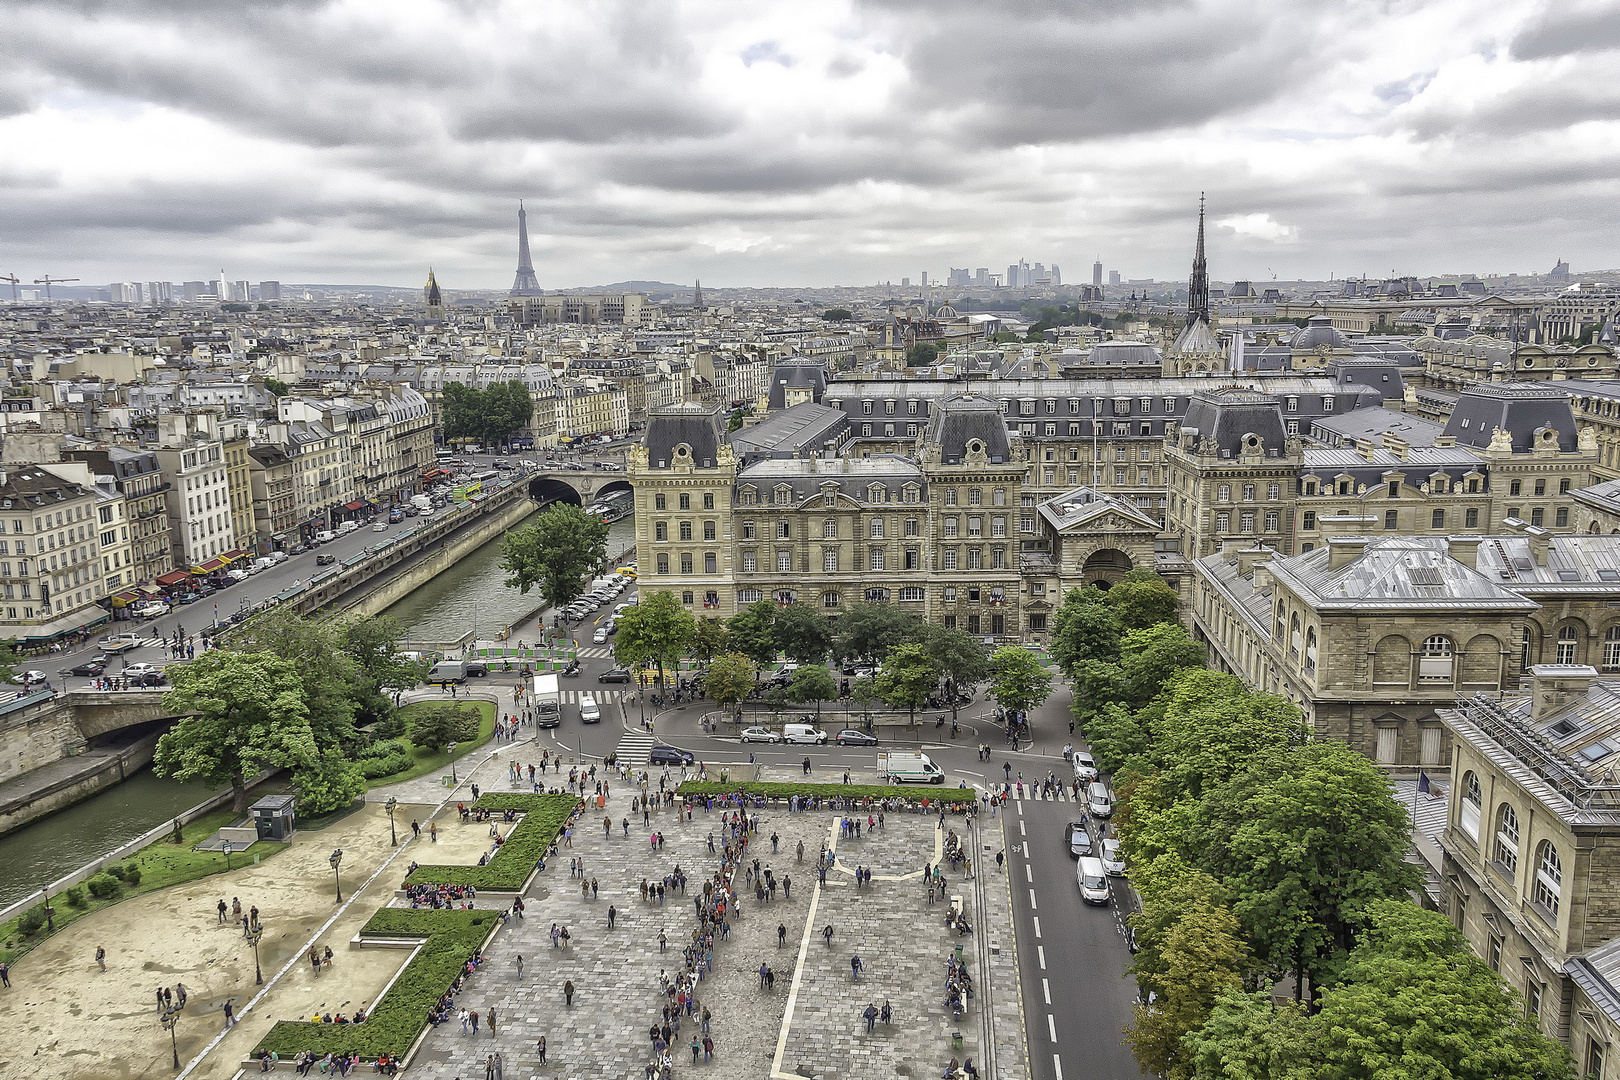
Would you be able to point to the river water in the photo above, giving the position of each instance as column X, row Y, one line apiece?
column 472, row 595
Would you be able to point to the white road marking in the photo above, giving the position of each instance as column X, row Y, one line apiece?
column 1051, row 1027
column 1037, row 925
column 1046, row 991
column 1032, row 904
column 1040, row 951
column 1057, row 1066
column 1022, row 831
column 1029, row 875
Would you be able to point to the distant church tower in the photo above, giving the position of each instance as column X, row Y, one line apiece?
column 435, row 299
column 525, row 284
column 1198, row 285
column 697, row 297
column 1196, row 350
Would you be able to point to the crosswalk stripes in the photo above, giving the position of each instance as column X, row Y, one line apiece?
column 571, row 697
column 595, row 652
column 634, row 748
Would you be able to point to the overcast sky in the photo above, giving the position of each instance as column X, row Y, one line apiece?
column 807, row 142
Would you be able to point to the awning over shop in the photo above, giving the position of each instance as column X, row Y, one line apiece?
column 67, row 624
column 356, row 505
column 174, row 577
column 124, row 599
column 232, row 556
column 210, row 566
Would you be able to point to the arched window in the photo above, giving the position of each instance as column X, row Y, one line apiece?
column 1293, row 636
column 1566, row 645
column 1611, row 649
column 877, row 596
column 829, row 599
column 1549, row 879
column 1434, row 663
column 1506, row 851
column 708, row 500
column 1310, row 649
column 1472, row 802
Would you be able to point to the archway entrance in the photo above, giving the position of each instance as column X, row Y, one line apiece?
column 1105, row 567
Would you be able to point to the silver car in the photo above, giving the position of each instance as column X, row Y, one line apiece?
column 759, row 734
column 1112, row 860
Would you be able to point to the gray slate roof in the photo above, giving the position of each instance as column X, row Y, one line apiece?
column 1382, row 578
column 695, row 426
column 1520, row 408
column 798, row 431
column 964, row 419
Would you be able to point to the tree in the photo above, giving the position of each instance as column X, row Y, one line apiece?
column 331, row 782
column 870, row 630
column 1202, row 958
column 730, row 679
column 1018, row 681
column 239, row 713
column 1142, row 599
column 752, row 631
column 488, row 416
column 836, row 314
column 437, row 726
column 802, row 633
column 708, row 638
column 908, row 676
column 1116, row 735
column 921, row 354
column 276, row 387
column 1304, row 836
column 372, row 642
column 1084, row 628
column 656, row 629
column 1248, row 1038
column 560, row 552
column 1150, row 658
column 1212, row 725
column 813, row 682
column 333, row 685
column 961, row 656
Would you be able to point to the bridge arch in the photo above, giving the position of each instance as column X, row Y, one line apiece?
column 548, row 489
column 612, row 486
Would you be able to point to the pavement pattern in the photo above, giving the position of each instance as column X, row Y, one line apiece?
column 901, row 939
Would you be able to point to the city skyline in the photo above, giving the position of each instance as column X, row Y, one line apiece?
column 802, row 147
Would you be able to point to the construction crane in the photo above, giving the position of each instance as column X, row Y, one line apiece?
column 14, row 279
column 48, row 281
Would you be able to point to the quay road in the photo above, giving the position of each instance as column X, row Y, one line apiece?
column 1072, row 957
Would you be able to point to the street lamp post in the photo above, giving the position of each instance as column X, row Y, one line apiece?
column 452, row 752
column 391, row 805
column 254, row 935
column 169, row 1018
column 336, row 859
column 50, row 916
column 226, row 844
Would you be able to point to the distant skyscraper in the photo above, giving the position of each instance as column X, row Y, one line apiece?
column 1012, row 276
column 525, row 284
column 925, row 279
column 1057, row 275
column 1096, row 272
column 1113, row 277
column 269, row 290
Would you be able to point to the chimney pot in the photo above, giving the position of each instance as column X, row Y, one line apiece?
column 1555, row 686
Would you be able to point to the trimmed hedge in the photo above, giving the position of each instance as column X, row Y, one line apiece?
column 543, row 818
column 397, row 1019
column 830, row 791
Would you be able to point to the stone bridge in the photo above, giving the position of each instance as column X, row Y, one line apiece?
column 102, row 712
column 578, row 486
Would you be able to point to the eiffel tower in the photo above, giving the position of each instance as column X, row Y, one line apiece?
column 525, row 283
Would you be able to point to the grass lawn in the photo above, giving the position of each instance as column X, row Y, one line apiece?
column 161, row 864
column 427, row 761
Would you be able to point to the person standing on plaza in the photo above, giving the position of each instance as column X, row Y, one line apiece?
column 230, row 1013
column 827, row 932
column 781, row 935
column 613, row 913
column 491, row 1018
column 568, row 992
column 101, row 958
column 223, row 908
column 5, row 975
column 541, row 1049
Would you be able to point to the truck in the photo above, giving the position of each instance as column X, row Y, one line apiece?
column 547, row 699
column 909, row 767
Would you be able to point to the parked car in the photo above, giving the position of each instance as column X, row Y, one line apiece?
column 617, row 674
column 670, row 755
column 238, row 574
column 299, row 549
column 759, row 734
column 277, row 556
column 804, row 733
column 91, row 668
column 1112, row 860
column 347, row 527
column 477, row 669
column 852, row 737
column 325, row 536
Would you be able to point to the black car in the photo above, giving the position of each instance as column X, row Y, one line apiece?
column 92, row 667
column 852, row 737
column 617, row 674
column 670, row 755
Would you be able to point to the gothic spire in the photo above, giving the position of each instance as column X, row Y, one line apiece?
column 697, row 297
column 1198, row 285
column 525, row 284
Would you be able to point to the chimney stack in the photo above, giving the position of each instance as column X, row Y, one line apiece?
column 1248, row 558
column 1540, row 543
column 1555, row 686
column 1465, row 549
column 1344, row 550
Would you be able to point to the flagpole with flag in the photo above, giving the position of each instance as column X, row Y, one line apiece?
column 1422, row 786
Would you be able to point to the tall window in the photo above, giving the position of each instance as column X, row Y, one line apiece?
column 1273, row 521
column 875, row 528
column 748, row 530
column 1437, row 519
column 1470, row 519
column 829, row 599
column 1434, row 663
column 686, row 562
column 708, row 530
column 710, row 563
column 686, row 530
column 686, row 500
column 948, row 559
column 663, row 563
column 1223, row 522
column 1566, row 645
column 1549, row 879
column 875, row 559
column 1472, row 805
column 1611, row 649
column 749, row 562
column 784, row 562
column 660, row 530
column 1506, row 851
column 829, row 561
column 659, row 502
column 708, row 500
column 829, row 528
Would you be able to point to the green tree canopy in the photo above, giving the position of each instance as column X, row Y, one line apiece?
column 331, row 782
column 1150, row 658
column 869, row 630
column 1142, row 599
column 239, row 713
column 708, row 638
column 560, row 553
column 437, row 726
column 729, row 679
column 836, row 314
column 1018, row 680
column 961, row 656
column 802, row 633
column 1202, row 957
column 921, row 354
column 487, row 416
column 658, row 629
column 334, row 686
column 813, row 682
column 1085, row 628
column 752, row 631
column 909, row 674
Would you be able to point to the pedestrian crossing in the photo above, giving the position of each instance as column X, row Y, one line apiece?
column 635, row 749
column 595, row 652
column 571, row 697
column 1032, row 793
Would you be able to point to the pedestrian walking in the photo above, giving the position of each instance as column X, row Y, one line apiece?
column 433, row 832
column 613, row 913
column 781, row 935
column 230, row 1013
column 855, row 968
column 5, row 975
column 472, row 1014
column 491, row 1019
column 489, row 1067
column 101, row 958
column 520, row 965
column 416, row 828
column 827, row 932
column 871, row 1014
column 568, row 992
column 663, row 941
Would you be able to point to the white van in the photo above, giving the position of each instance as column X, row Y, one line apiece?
column 348, row 527
column 1085, row 767
column 325, row 536
column 804, row 733
column 1098, row 800
column 1093, row 880
column 589, row 711
column 909, row 767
